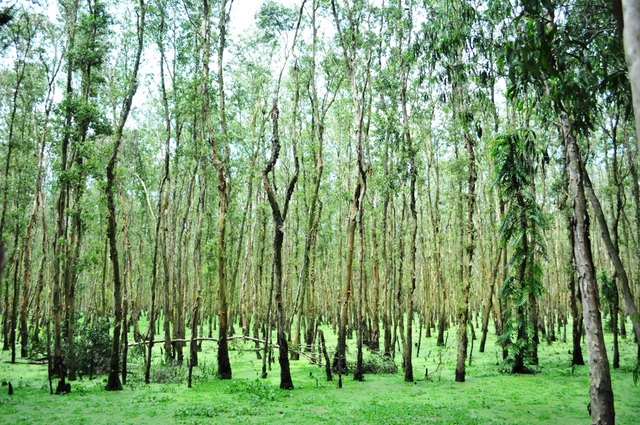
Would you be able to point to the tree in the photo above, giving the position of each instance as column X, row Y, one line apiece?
column 349, row 44
column 220, row 152
column 279, row 216
column 113, row 381
column 60, row 238
column 631, row 37
column 602, row 407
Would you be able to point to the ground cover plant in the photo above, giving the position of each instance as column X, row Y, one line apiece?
column 557, row 393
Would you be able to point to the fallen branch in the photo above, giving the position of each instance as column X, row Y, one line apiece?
column 242, row 337
column 159, row 341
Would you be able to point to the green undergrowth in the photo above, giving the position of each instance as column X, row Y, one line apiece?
column 558, row 393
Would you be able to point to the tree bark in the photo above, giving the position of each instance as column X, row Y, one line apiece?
column 3, row 259
column 631, row 39
column 61, row 234
column 602, row 405
column 220, row 161
column 613, row 253
column 279, row 216
column 486, row 310
column 349, row 48
column 315, row 207
column 574, row 297
column 197, row 291
column 463, row 316
column 162, row 203
column 113, row 380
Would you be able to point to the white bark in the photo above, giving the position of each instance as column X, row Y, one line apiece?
column 631, row 36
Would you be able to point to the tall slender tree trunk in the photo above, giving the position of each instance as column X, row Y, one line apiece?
column 113, row 380
column 15, row 299
column 374, row 343
column 486, row 309
column 614, row 254
column 279, row 216
column 602, row 405
column 60, row 239
column 9, row 321
column 3, row 259
column 358, row 374
column 413, row 210
column 37, row 205
column 463, row 315
column 440, row 286
column 162, row 205
column 197, row 291
column 220, row 161
column 315, row 207
column 574, row 298
column 349, row 49
column 126, row 289
column 631, row 39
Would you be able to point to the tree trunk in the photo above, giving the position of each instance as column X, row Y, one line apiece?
column 162, row 205
column 113, row 380
column 574, row 299
column 220, row 161
column 349, row 49
column 315, row 207
column 197, row 292
column 463, row 316
column 631, row 38
column 613, row 253
column 602, row 405
column 279, row 216
column 358, row 374
column 374, row 343
column 16, row 296
column 3, row 259
column 37, row 204
column 486, row 311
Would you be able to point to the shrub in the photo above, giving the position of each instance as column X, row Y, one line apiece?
column 374, row 364
column 93, row 347
column 168, row 373
column 37, row 347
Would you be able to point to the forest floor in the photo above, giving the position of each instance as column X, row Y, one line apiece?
column 557, row 394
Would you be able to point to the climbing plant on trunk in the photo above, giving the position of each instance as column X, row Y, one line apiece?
column 516, row 156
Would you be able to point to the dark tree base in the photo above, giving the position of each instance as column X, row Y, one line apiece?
column 113, row 382
column 63, row 387
column 224, row 366
column 286, row 383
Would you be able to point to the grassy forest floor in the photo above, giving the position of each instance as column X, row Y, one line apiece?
column 557, row 394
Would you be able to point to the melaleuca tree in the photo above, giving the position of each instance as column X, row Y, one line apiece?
column 320, row 103
column 459, row 56
column 516, row 158
column 83, row 124
column 629, row 20
column 130, row 86
column 356, row 42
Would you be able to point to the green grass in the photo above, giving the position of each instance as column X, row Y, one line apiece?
column 558, row 394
